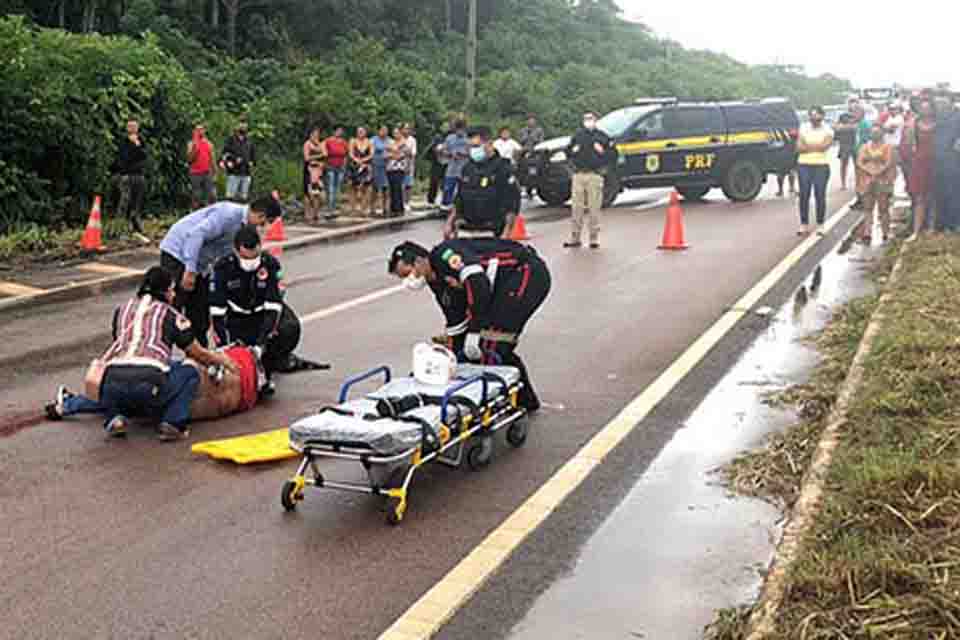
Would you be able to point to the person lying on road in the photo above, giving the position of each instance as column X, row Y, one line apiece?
column 221, row 392
column 503, row 282
column 140, row 378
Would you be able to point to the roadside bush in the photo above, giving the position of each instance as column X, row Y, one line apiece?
column 65, row 102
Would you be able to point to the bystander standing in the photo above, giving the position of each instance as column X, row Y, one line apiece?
column 239, row 158
column 381, row 143
column 399, row 158
column 877, row 162
column 336, row 149
column 202, row 168
column 361, row 171
column 129, row 167
column 920, row 140
column 455, row 150
column 813, row 168
column 410, row 135
column 314, row 162
column 508, row 148
column 947, row 166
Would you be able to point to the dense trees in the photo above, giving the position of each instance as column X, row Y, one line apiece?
column 288, row 63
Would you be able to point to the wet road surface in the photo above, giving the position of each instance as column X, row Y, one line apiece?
column 679, row 546
column 139, row 539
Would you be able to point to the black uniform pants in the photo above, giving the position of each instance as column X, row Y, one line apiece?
column 279, row 345
column 193, row 304
column 516, row 300
column 437, row 172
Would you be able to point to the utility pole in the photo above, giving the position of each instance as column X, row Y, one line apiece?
column 471, row 52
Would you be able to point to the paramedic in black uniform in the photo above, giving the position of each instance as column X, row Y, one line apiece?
column 246, row 303
column 489, row 197
column 503, row 283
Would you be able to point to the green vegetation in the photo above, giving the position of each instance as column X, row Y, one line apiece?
column 881, row 559
column 74, row 70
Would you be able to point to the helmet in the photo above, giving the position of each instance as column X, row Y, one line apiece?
column 433, row 364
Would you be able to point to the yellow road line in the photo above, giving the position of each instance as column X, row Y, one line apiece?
column 103, row 267
column 14, row 289
column 422, row 620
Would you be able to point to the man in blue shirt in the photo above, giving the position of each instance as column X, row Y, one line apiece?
column 456, row 151
column 197, row 241
column 947, row 166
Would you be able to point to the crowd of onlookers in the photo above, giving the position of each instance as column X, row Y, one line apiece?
column 916, row 138
column 376, row 172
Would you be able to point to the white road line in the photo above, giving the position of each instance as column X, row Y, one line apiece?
column 350, row 304
column 428, row 614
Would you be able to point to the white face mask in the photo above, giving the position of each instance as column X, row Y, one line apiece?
column 590, row 124
column 413, row 282
column 249, row 264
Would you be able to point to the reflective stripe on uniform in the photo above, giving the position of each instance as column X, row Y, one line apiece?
column 470, row 270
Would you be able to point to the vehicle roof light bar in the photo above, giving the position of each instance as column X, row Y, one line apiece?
column 643, row 101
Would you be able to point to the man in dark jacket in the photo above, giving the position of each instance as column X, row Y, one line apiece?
column 128, row 168
column 591, row 152
column 438, row 166
column 239, row 156
column 489, row 197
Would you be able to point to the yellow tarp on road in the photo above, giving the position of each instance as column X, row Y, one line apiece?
column 258, row 447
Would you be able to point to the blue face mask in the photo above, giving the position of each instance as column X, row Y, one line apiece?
column 478, row 154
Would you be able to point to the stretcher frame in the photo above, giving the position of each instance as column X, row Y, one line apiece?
column 470, row 440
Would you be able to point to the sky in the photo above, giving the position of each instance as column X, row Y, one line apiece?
column 870, row 43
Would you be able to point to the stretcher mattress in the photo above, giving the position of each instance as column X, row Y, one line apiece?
column 387, row 436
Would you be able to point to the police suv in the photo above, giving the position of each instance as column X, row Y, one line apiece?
column 694, row 147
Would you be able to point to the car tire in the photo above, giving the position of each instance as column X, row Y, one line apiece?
column 693, row 194
column 743, row 181
column 554, row 195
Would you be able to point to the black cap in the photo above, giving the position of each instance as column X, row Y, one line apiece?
column 246, row 238
column 156, row 283
column 408, row 252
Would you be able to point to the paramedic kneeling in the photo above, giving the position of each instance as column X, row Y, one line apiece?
column 140, row 379
column 505, row 283
column 246, row 303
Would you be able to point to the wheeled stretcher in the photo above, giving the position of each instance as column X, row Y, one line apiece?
column 404, row 425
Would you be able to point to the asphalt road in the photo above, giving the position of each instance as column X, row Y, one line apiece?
column 139, row 539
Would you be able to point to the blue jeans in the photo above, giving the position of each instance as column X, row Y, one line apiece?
column 80, row 404
column 238, row 187
column 450, row 187
column 813, row 177
column 128, row 396
column 333, row 178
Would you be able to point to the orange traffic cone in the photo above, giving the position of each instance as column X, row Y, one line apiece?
column 92, row 239
column 276, row 233
column 673, row 229
column 519, row 230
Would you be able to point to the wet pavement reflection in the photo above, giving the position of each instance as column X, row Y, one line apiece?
column 679, row 546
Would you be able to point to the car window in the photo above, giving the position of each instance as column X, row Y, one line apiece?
column 651, row 127
column 693, row 121
column 618, row 122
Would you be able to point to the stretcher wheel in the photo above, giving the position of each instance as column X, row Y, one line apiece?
column 480, row 453
column 290, row 495
column 517, row 433
column 395, row 509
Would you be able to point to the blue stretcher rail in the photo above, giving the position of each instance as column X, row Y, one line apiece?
column 345, row 389
column 455, row 389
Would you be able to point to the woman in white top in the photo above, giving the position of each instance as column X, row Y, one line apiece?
column 507, row 147
column 813, row 168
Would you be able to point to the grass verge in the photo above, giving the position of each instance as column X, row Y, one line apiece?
column 882, row 559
